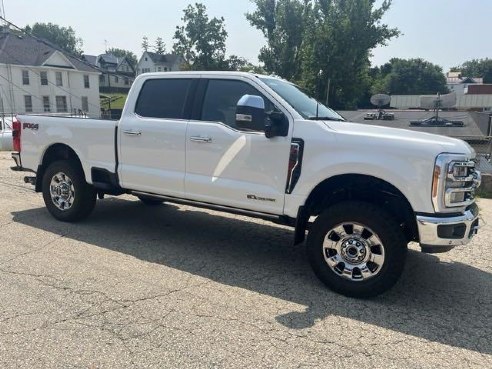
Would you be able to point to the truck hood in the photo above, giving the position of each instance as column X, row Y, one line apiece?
column 418, row 142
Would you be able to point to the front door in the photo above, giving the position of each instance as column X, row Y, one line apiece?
column 151, row 139
column 227, row 166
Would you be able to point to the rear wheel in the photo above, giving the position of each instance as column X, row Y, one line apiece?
column 357, row 249
column 67, row 195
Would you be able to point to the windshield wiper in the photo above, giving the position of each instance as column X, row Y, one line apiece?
column 327, row 118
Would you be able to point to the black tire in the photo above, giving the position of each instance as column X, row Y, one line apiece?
column 381, row 224
column 150, row 201
column 84, row 195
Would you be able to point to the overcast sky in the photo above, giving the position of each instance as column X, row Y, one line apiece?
column 445, row 32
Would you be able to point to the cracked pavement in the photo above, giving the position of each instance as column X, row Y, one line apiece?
column 174, row 286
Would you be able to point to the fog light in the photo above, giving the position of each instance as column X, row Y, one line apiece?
column 457, row 197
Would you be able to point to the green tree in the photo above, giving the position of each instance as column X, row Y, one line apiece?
column 409, row 77
column 145, row 43
column 201, row 40
column 324, row 45
column 63, row 37
column 283, row 23
column 477, row 68
column 159, row 47
column 122, row 53
column 236, row 63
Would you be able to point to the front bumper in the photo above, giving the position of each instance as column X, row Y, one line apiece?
column 439, row 234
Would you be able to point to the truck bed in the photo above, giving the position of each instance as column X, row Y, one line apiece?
column 93, row 140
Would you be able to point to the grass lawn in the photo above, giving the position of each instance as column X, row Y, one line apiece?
column 117, row 101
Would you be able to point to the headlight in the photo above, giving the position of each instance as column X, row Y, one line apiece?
column 454, row 182
column 461, row 171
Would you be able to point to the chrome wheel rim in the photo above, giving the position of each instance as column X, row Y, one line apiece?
column 62, row 191
column 353, row 251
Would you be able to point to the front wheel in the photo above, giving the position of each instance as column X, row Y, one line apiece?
column 68, row 197
column 357, row 249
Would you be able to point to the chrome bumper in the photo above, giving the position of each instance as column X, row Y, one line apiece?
column 442, row 234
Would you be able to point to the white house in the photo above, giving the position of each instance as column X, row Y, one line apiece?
column 37, row 78
column 459, row 84
column 152, row 62
column 117, row 75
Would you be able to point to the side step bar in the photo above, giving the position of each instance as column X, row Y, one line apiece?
column 227, row 209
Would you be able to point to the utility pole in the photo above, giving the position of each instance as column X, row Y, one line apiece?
column 109, row 89
column 490, row 126
column 328, row 92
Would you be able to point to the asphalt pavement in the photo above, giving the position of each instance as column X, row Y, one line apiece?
column 178, row 287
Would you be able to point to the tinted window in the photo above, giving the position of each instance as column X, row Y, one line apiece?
column 163, row 98
column 221, row 100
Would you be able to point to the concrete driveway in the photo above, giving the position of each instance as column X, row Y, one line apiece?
column 173, row 286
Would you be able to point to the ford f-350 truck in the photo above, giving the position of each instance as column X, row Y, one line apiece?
column 257, row 145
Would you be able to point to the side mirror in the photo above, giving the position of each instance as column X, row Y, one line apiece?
column 277, row 125
column 250, row 113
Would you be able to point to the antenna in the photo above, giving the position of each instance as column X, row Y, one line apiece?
column 379, row 101
column 436, row 103
column 2, row 14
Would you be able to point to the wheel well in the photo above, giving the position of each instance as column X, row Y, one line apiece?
column 368, row 189
column 54, row 153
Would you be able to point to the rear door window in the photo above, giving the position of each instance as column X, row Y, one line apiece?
column 163, row 98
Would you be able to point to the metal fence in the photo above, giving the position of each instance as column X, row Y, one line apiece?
column 483, row 148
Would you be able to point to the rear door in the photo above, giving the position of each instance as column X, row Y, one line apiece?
column 152, row 137
column 228, row 166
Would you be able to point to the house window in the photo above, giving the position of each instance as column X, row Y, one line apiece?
column 46, row 104
column 165, row 69
column 44, row 78
column 159, row 69
column 102, row 79
column 127, row 81
column 85, row 103
column 25, row 77
column 116, row 80
column 61, row 104
column 86, row 81
column 146, row 59
column 59, row 79
column 28, row 103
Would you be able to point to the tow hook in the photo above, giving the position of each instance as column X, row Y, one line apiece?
column 30, row 180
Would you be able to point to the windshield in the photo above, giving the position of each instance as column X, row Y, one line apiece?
column 307, row 106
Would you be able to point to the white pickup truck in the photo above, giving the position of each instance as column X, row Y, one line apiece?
column 259, row 146
column 5, row 134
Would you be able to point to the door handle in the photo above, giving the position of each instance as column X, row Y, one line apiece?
column 132, row 133
column 201, row 139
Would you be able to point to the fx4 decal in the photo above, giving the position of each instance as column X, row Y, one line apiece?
column 32, row 126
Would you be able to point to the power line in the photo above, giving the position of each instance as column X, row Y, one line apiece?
column 3, row 10
column 39, row 74
column 48, row 43
column 20, row 88
column 28, row 93
column 49, row 82
column 56, row 47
